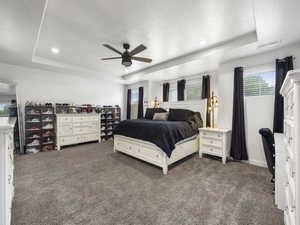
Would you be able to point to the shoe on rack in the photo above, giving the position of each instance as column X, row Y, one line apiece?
column 48, row 119
column 102, row 128
column 48, row 112
column 34, row 120
column 34, row 143
column 32, row 112
column 33, row 129
column 48, row 133
column 48, row 127
column 32, row 150
column 35, row 136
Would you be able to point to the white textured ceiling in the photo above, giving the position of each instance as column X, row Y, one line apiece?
column 172, row 31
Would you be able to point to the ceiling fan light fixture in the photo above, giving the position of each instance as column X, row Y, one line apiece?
column 126, row 61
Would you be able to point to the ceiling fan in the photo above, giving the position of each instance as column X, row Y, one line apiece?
column 127, row 56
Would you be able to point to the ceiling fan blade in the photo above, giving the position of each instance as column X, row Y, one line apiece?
column 112, row 58
column 142, row 59
column 137, row 50
column 112, row 48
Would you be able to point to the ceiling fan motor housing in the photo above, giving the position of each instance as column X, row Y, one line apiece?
column 126, row 46
column 126, row 59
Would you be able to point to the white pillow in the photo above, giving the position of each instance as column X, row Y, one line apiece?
column 161, row 116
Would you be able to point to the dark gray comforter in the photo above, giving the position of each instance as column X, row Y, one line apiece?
column 164, row 134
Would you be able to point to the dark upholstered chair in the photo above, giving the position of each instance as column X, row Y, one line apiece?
column 268, row 143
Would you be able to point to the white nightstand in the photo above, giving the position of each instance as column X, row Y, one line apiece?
column 215, row 141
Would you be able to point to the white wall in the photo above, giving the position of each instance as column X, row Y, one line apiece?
column 258, row 110
column 45, row 86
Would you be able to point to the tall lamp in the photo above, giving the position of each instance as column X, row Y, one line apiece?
column 212, row 105
column 154, row 103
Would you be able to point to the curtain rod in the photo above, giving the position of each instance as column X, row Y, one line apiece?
column 187, row 78
column 263, row 64
column 283, row 60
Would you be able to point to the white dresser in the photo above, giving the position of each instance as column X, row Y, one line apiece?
column 280, row 174
column 77, row 128
column 291, row 92
column 215, row 141
column 6, row 170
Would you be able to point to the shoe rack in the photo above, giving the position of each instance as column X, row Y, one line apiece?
column 39, row 128
column 110, row 117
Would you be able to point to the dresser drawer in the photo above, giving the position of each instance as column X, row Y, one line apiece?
column 80, row 130
column 70, row 140
column 290, row 163
column 92, row 125
column 77, row 119
column 152, row 154
column 290, row 105
column 289, row 133
column 212, row 142
column 211, row 134
column 125, row 146
column 90, row 137
column 211, row 150
column 65, row 119
column 92, row 118
column 66, row 130
column 291, row 209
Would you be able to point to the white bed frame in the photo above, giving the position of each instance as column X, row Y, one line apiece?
column 151, row 153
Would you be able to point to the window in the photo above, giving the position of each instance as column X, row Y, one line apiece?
column 4, row 109
column 258, row 84
column 134, row 104
column 193, row 90
column 193, row 93
column 173, row 95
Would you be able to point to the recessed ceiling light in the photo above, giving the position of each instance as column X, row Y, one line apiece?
column 55, row 50
column 203, row 42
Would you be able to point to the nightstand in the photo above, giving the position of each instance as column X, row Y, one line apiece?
column 215, row 141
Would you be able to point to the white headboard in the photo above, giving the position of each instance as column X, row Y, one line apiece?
column 196, row 106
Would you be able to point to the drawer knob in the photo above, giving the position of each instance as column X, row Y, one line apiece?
column 293, row 209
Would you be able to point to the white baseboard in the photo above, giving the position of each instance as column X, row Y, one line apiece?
column 257, row 163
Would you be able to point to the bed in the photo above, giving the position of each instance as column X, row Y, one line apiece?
column 160, row 143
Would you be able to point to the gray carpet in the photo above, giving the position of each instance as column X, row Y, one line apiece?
column 90, row 185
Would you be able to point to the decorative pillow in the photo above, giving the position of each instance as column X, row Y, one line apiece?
column 161, row 116
column 150, row 112
column 195, row 121
column 180, row 114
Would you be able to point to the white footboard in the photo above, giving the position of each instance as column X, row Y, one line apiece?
column 150, row 153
